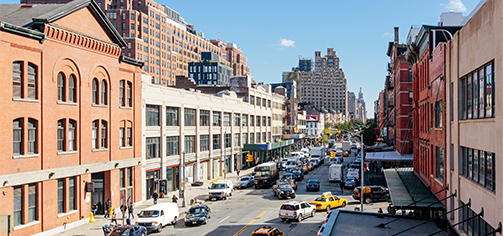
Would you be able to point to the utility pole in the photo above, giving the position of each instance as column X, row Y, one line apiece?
column 225, row 157
column 184, row 202
column 361, row 171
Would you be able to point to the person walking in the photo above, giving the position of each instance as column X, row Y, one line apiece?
column 342, row 187
column 108, row 205
column 237, row 170
column 155, row 196
column 175, row 199
column 94, row 209
column 123, row 210
column 131, row 210
column 113, row 217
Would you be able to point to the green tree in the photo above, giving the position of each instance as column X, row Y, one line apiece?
column 369, row 138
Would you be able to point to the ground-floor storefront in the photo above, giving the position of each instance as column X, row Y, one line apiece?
column 51, row 200
column 262, row 153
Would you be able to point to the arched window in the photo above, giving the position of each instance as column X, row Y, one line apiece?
column 32, row 81
column 32, row 136
column 61, row 87
column 17, row 131
column 95, row 134
column 129, row 94
column 72, row 91
column 95, row 91
column 17, row 79
column 104, row 90
column 121, row 93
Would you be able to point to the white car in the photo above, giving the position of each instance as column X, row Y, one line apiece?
column 220, row 189
column 296, row 210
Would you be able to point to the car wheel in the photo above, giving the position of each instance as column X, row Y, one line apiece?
column 284, row 220
column 313, row 212
column 344, row 204
column 205, row 221
column 174, row 221
column 368, row 200
column 230, row 194
column 159, row 229
column 300, row 218
column 225, row 198
column 328, row 208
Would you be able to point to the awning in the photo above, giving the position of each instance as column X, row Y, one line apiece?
column 405, row 188
column 387, row 156
column 267, row 146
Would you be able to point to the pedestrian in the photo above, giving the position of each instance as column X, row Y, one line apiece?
column 380, row 211
column 131, row 210
column 237, row 171
column 108, row 205
column 342, row 187
column 128, row 221
column 382, row 169
column 155, row 196
column 94, row 209
column 123, row 210
column 175, row 199
column 371, row 180
column 113, row 217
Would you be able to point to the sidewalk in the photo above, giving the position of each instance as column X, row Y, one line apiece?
column 192, row 192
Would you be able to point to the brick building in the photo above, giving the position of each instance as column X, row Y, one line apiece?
column 74, row 115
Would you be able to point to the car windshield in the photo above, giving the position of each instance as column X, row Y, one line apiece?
column 218, row 186
column 262, row 174
column 197, row 210
column 291, row 163
column 320, row 199
column 149, row 214
column 284, row 185
column 296, row 171
column 313, row 182
column 245, row 179
column 121, row 232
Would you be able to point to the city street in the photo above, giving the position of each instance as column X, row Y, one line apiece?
column 248, row 209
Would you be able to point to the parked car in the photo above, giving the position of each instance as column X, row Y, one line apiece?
column 298, row 174
column 372, row 193
column 287, row 176
column 283, row 190
column 292, row 183
column 155, row 217
column 327, row 201
column 313, row 185
column 130, row 230
column 245, row 182
column 197, row 215
column 296, row 210
column 267, row 231
column 351, row 182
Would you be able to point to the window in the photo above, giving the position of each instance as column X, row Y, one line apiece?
column 17, row 79
column 172, row 145
column 129, row 139
column 153, row 148
column 258, row 101
column 473, row 224
column 252, row 100
column 216, row 118
column 245, row 138
column 32, row 136
column 171, row 116
column 95, row 92
column 258, row 120
column 95, row 134
column 252, row 120
column 257, row 135
column 204, row 141
column 129, row 179
column 227, row 140
column 264, row 102
column 227, row 119
column 264, row 121
column 104, row 93
column 129, row 94
column 190, row 117
column 440, row 164
column 252, row 138
column 72, row 204
column 125, row 133
column 245, row 120
column 18, row 140
column 61, row 196
column 189, row 144
column 61, row 135
column 216, row 141
column 237, row 120
column 476, row 95
column 61, row 87
column 72, row 90
column 237, row 140
column 204, row 118
column 478, row 166
column 104, row 132
column 32, row 202
column 18, row 205
column 122, row 88
column 153, row 115
column 269, row 103
column 439, row 114
column 264, row 138
column 122, row 133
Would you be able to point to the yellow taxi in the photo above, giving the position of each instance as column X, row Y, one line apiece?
column 345, row 154
column 304, row 168
column 328, row 201
column 267, row 230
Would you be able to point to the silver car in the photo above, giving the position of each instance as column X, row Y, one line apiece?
column 245, row 182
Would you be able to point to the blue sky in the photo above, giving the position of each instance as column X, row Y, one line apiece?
column 274, row 34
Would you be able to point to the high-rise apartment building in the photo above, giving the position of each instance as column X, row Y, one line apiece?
column 351, row 104
column 160, row 37
column 326, row 86
column 210, row 70
column 305, row 64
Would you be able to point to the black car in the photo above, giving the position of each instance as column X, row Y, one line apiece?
column 351, row 182
column 283, row 190
column 197, row 215
column 372, row 193
column 298, row 174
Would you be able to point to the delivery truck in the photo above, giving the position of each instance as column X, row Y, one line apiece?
column 335, row 172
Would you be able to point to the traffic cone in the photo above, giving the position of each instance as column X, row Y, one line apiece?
column 111, row 210
column 91, row 219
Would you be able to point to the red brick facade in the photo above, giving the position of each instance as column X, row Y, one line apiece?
column 53, row 122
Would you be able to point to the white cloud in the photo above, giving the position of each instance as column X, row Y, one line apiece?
column 455, row 5
column 287, row 43
column 388, row 36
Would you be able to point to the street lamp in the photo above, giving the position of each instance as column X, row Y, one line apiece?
column 361, row 171
column 182, row 195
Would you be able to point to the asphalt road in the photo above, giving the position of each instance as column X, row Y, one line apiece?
column 248, row 209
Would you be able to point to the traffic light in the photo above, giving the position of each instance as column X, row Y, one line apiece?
column 332, row 154
column 249, row 158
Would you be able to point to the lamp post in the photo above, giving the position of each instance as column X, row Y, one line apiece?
column 184, row 201
column 361, row 171
column 225, row 157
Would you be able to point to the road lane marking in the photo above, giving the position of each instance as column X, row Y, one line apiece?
column 249, row 224
column 224, row 219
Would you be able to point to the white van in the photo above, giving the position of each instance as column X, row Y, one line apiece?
column 155, row 217
column 220, row 189
column 305, row 151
